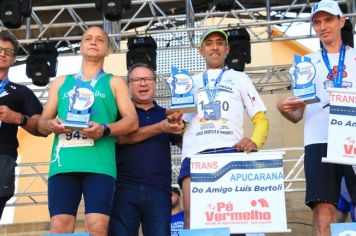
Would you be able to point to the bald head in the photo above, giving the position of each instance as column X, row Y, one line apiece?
column 96, row 30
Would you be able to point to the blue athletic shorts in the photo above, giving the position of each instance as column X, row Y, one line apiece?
column 346, row 206
column 65, row 192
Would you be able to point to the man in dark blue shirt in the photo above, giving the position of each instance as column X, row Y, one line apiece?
column 143, row 192
column 19, row 106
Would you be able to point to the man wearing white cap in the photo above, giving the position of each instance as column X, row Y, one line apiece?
column 221, row 95
column 335, row 66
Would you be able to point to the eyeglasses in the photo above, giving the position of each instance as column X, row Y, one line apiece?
column 138, row 80
column 8, row 51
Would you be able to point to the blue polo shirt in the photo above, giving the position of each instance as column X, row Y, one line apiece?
column 149, row 161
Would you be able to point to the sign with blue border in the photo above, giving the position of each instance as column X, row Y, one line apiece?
column 244, row 192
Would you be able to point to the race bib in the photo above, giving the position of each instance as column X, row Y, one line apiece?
column 74, row 139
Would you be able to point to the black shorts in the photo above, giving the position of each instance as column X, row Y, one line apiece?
column 7, row 175
column 323, row 180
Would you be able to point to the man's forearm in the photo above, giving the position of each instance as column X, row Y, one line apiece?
column 141, row 134
column 31, row 125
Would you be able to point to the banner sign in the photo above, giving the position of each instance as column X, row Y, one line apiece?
column 342, row 127
column 242, row 191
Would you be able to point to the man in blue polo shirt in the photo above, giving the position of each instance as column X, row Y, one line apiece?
column 143, row 158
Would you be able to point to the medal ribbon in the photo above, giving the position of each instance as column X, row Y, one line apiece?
column 79, row 83
column 340, row 67
column 3, row 83
column 212, row 92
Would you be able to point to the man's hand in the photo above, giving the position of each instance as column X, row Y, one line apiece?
column 9, row 116
column 292, row 108
column 290, row 104
column 95, row 131
column 174, row 116
column 56, row 126
column 172, row 128
column 246, row 145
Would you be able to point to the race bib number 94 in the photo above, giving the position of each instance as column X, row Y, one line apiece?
column 74, row 139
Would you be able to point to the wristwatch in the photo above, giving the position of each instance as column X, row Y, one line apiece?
column 106, row 131
column 24, row 119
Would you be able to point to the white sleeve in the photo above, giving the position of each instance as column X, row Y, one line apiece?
column 251, row 99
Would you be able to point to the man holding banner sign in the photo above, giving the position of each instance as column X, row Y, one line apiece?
column 335, row 67
column 221, row 94
column 83, row 159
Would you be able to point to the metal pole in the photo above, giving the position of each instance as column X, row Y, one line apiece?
column 190, row 20
column 268, row 15
column 28, row 28
column 351, row 8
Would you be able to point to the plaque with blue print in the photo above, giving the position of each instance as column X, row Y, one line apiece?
column 180, row 86
column 80, row 102
column 302, row 75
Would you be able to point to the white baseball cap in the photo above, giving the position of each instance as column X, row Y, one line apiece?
column 329, row 6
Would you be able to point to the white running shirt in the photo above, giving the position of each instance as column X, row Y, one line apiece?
column 236, row 92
